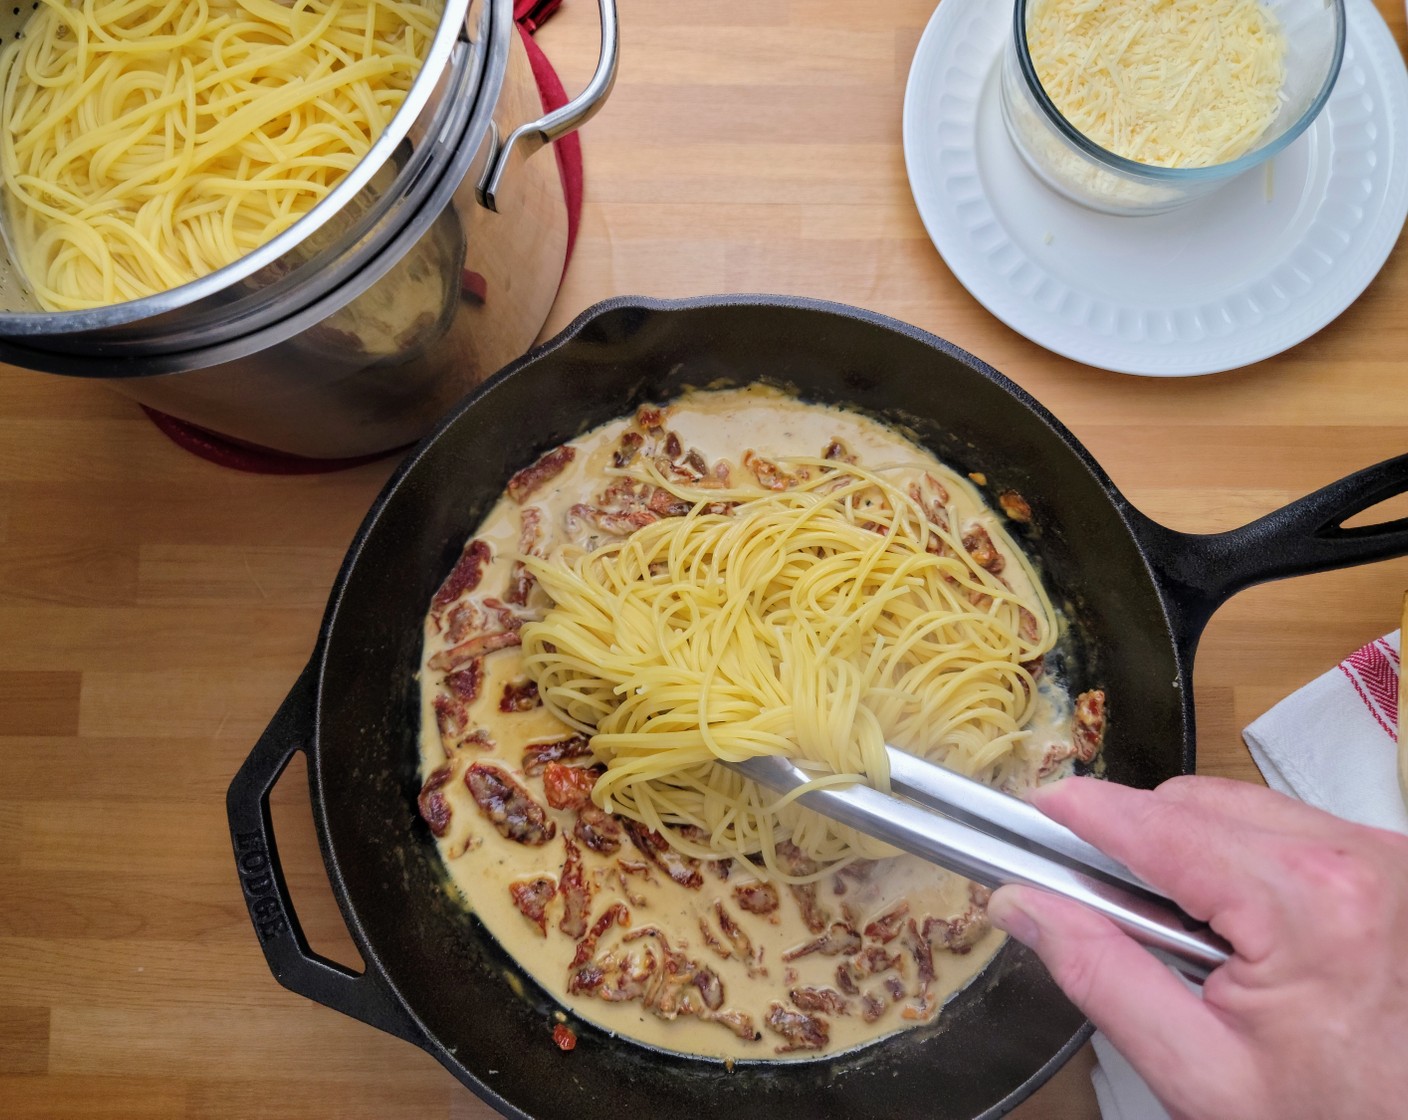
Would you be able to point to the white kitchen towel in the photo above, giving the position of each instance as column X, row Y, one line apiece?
column 1334, row 743
column 1120, row 1091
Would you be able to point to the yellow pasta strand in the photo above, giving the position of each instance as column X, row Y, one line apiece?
column 147, row 144
column 819, row 623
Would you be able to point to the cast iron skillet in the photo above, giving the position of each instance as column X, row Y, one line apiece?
column 1138, row 594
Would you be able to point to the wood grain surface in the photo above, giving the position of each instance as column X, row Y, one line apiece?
column 154, row 608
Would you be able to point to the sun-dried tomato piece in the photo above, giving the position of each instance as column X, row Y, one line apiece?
column 464, row 576
column 519, row 696
column 434, row 809
column 563, row 1036
column 886, row 927
column 568, row 787
column 530, row 479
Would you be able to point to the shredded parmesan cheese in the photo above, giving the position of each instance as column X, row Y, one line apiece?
column 1174, row 83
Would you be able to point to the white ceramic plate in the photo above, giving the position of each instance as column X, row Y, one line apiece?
column 1233, row 278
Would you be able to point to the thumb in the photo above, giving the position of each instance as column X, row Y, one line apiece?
column 1152, row 1018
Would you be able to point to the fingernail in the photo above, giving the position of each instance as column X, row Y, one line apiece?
column 1006, row 915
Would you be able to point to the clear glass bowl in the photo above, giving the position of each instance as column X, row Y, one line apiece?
column 1075, row 166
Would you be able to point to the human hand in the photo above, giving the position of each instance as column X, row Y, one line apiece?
column 1309, row 1018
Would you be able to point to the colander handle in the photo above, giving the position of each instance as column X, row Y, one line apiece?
column 569, row 118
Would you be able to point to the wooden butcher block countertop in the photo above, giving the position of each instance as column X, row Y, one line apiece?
column 155, row 608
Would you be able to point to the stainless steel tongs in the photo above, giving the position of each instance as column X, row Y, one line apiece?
column 994, row 839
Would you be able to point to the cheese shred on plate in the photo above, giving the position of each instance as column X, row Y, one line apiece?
column 1174, row 83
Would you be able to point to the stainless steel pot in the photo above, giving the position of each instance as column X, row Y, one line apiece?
column 429, row 267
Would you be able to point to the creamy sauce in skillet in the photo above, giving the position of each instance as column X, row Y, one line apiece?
column 903, row 912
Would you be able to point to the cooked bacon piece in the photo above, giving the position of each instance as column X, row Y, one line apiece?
column 519, row 696
column 960, row 934
column 695, row 464
column 633, row 973
column 563, row 1036
column 838, row 451
column 813, row 913
column 771, row 476
column 434, row 809
column 522, row 485
column 576, row 894
column 615, row 914
column 530, row 542
column 451, row 717
column 711, row 939
column 480, row 738
column 664, row 504
column 508, row 805
column 870, row 961
column 922, row 950
column 650, row 419
column 1015, row 506
column 872, row 1006
column 839, row 939
column 532, row 896
column 464, row 576
column 739, row 1022
column 597, row 829
column 626, row 449
column 457, row 656
column 569, row 787
column 720, row 868
column 798, row 1029
column 756, row 898
column 504, row 614
column 683, row 869
column 587, row 978
column 1029, row 630
column 464, row 619
column 614, row 523
column 874, row 960
column 740, row 941
column 1089, row 724
column 673, row 447
column 982, row 550
column 827, row 1000
column 538, row 755
column 931, row 496
column 886, row 927
column 465, row 682
column 895, row 987
column 711, row 988
column 796, row 862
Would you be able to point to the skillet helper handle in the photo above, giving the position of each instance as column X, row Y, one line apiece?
column 559, row 122
column 294, row 964
column 1306, row 536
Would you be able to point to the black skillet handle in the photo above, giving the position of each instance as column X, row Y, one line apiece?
column 292, row 962
column 1200, row 572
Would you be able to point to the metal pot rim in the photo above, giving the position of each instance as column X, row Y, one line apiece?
column 210, row 289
